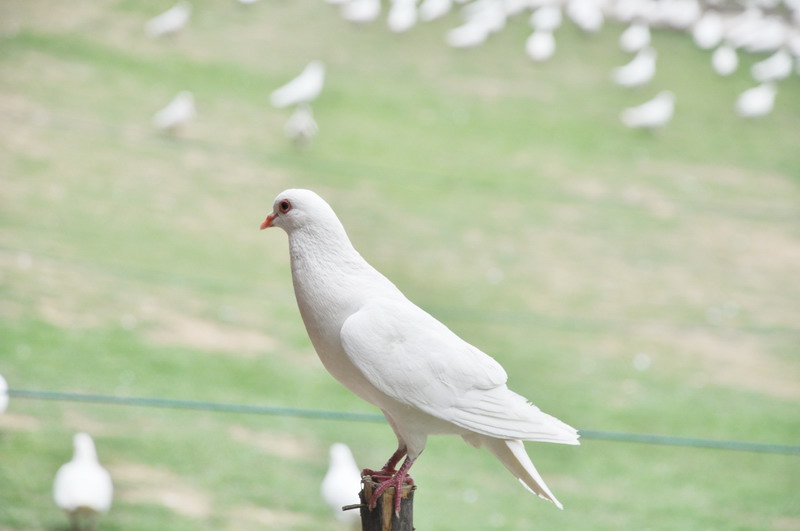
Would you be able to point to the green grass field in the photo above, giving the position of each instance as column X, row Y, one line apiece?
column 504, row 197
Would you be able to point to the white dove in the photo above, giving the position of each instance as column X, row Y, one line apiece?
column 586, row 14
column 178, row 112
column 774, row 68
column 342, row 483
column 652, row 114
column 432, row 9
column 361, row 11
column 724, row 60
column 3, row 394
column 402, row 15
column 301, row 127
column 546, row 18
column 468, row 35
column 303, row 89
column 540, row 46
column 708, row 31
column 639, row 71
column 170, row 21
column 635, row 37
column 82, row 486
column 757, row 101
column 391, row 353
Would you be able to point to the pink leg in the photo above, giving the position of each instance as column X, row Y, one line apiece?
column 397, row 481
column 388, row 469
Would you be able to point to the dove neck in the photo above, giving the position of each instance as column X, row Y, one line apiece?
column 326, row 246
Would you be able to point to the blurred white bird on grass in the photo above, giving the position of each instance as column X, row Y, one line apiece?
column 3, row 394
column 635, row 37
column 774, row 68
column 361, row 11
column 540, row 46
column 724, row 60
column 708, row 31
column 301, row 128
column 468, row 35
column 586, row 14
column 679, row 14
column 757, row 101
column 402, row 15
column 432, row 9
column 178, row 112
column 652, row 114
column 169, row 22
column 546, row 18
column 82, row 486
column 639, row 71
column 342, row 483
column 303, row 89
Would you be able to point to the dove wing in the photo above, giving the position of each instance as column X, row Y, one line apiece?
column 416, row 360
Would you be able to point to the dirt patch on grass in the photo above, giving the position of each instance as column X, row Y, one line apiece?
column 137, row 483
column 245, row 517
column 18, row 422
column 273, row 443
column 733, row 360
column 204, row 334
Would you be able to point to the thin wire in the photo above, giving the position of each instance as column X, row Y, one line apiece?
column 616, row 436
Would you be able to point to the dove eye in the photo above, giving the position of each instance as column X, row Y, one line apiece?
column 284, row 206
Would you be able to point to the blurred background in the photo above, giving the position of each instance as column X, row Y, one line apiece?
column 628, row 280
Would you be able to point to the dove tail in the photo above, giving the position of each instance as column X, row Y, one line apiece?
column 513, row 456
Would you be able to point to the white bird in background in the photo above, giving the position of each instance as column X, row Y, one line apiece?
column 301, row 128
column 708, row 31
column 635, row 37
column 391, row 353
column 653, row 114
column 490, row 13
column 586, row 14
column 402, row 15
column 724, row 60
column 774, row 68
column 3, row 394
column 303, row 89
column 540, row 46
column 468, row 35
column 361, row 11
column 757, row 101
column 432, row 9
column 342, row 483
column 82, row 486
column 178, row 112
column 625, row 10
column 679, row 14
column 170, row 21
column 639, row 71
column 546, row 18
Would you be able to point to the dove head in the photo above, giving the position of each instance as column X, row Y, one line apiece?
column 84, row 447
column 296, row 209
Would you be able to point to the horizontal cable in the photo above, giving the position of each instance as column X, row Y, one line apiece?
column 644, row 438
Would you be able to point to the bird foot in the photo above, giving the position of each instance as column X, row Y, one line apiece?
column 379, row 475
column 398, row 480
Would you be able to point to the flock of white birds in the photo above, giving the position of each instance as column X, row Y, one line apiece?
column 727, row 27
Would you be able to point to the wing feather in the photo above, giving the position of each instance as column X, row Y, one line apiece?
column 416, row 360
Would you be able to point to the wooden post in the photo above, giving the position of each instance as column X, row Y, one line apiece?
column 382, row 517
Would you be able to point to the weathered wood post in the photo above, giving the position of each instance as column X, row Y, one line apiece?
column 382, row 517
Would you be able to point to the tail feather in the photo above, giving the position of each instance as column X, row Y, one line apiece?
column 513, row 456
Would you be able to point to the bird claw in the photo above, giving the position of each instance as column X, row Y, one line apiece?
column 398, row 481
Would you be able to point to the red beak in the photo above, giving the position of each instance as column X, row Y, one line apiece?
column 267, row 223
